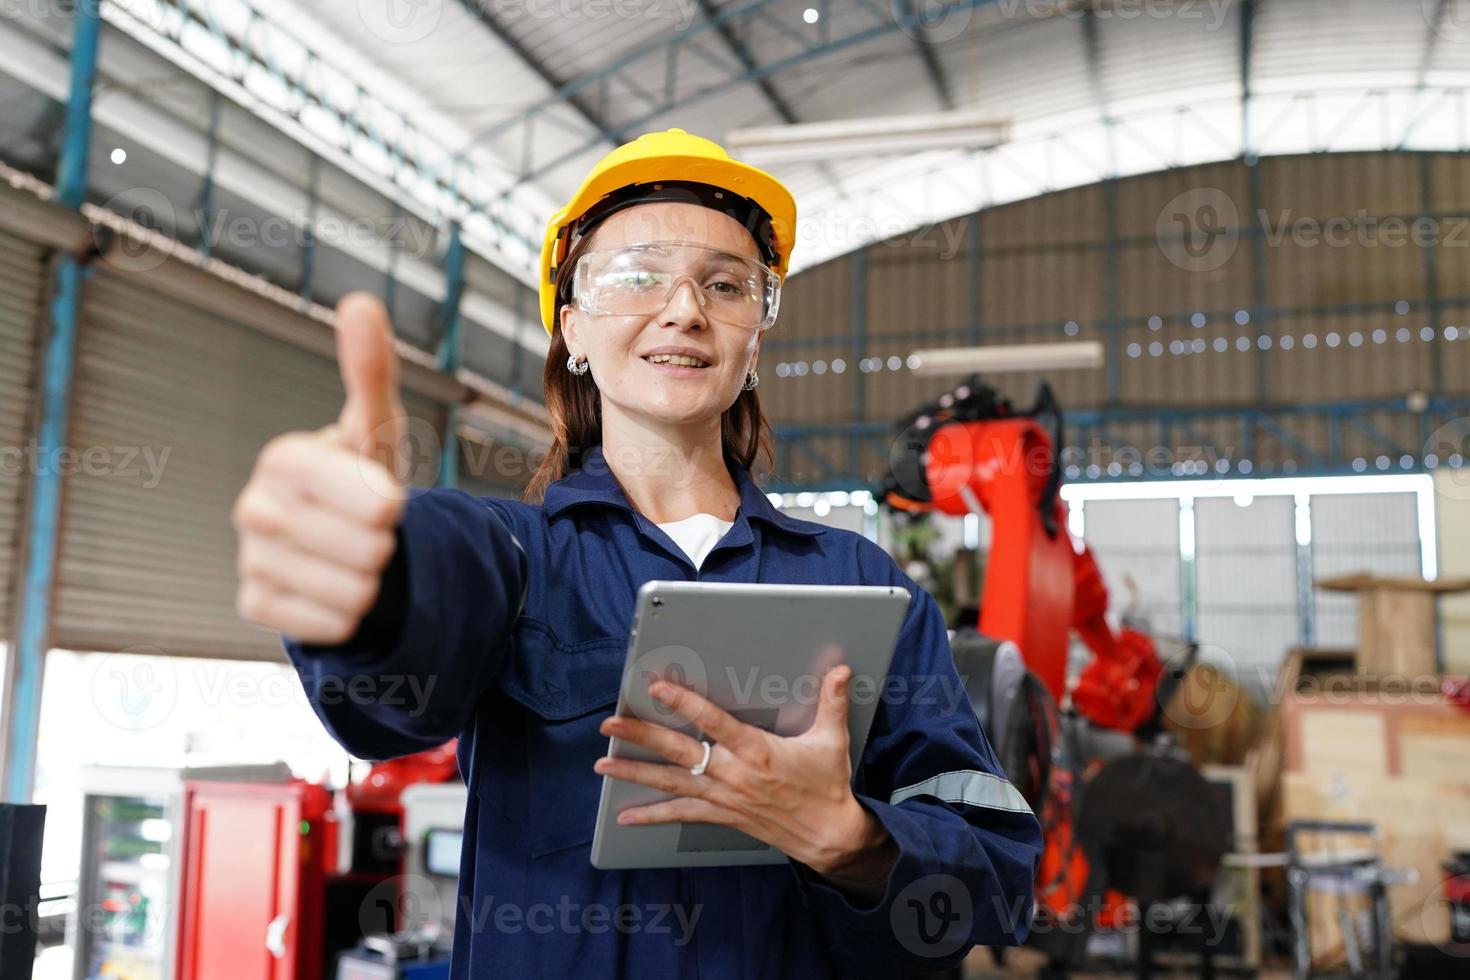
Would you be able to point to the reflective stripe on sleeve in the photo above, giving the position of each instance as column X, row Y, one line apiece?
column 968, row 786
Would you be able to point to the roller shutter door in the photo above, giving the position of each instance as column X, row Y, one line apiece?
column 22, row 283
column 1246, row 575
column 1139, row 540
column 1352, row 533
column 172, row 405
column 490, row 468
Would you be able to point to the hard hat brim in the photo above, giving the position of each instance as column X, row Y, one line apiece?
column 633, row 168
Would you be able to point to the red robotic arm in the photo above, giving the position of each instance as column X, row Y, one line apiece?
column 972, row 452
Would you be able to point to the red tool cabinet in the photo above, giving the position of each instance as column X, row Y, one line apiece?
column 255, row 862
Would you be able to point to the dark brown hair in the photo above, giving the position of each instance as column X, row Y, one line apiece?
column 575, row 406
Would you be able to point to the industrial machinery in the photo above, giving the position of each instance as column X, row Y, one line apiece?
column 256, row 861
column 246, row 871
column 407, row 921
column 125, row 926
column 972, row 452
column 21, row 829
column 413, row 926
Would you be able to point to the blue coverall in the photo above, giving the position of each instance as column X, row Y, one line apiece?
column 506, row 624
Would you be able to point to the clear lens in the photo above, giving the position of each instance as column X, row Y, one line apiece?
column 639, row 280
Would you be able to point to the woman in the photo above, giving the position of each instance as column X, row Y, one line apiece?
column 414, row 618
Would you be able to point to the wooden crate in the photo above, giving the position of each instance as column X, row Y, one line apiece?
column 1397, row 632
column 1398, row 758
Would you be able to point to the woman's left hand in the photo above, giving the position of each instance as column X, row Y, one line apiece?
column 793, row 793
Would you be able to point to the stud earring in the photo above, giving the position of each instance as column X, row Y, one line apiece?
column 751, row 380
column 575, row 366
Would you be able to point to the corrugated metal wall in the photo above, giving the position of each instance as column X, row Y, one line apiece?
column 494, row 468
column 1248, row 569
column 171, row 407
column 22, row 279
column 1245, row 569
column 1352, row 533
column 1137, row 541
column 1315, row 278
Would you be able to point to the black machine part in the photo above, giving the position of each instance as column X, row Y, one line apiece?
column 1153, row 826
column 1014, row 709
column 21, row 827
column 973, row 401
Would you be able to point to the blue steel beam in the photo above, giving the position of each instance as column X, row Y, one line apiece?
column 1343, row 408
column 485, row 14
column 518, row 350
column 1280, row 434
column 809, row 52
column 1112, row 327
column 206, row 185
column 975, row 296
column 22, row 696
column 1384, row 441
column 1049, row 328
column 451, row 352
column 1247, row 80
column 319, row 86
column 937, row 76
column 1098, row 83
column 615, row 69
column 742, row 53
column 1431, row 280
column 1435, row 25
column 1086, row 424
column 1260, row 301
column 858, row 328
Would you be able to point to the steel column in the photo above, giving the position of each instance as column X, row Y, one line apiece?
column 977, row 240
column 1431, row 280
column 206, row 187
column 1306, row 601
column 858, row 341
column 1188, row 570
column 451, row 351
column 308, row 236
column 518, row 350
column 22, row 697
column 1111, row 325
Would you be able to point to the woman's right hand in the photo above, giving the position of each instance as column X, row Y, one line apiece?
column 316, row 520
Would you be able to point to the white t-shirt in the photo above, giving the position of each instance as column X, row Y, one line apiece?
column 697, row 535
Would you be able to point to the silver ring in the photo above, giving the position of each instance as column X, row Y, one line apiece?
column 703, row 763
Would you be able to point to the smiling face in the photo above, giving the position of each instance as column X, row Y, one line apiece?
column 676, row 365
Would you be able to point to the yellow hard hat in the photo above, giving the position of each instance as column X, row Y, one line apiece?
column 672, row 155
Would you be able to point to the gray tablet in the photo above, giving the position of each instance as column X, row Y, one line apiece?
column 760, row 652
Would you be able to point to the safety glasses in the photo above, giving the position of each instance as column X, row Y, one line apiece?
column 640, row 279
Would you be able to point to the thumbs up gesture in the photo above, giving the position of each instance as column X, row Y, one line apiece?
column 316, row 520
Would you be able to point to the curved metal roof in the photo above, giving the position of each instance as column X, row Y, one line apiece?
column 491, row 111
column 1092, row 90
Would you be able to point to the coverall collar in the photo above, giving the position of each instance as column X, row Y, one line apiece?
column 594, row 482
